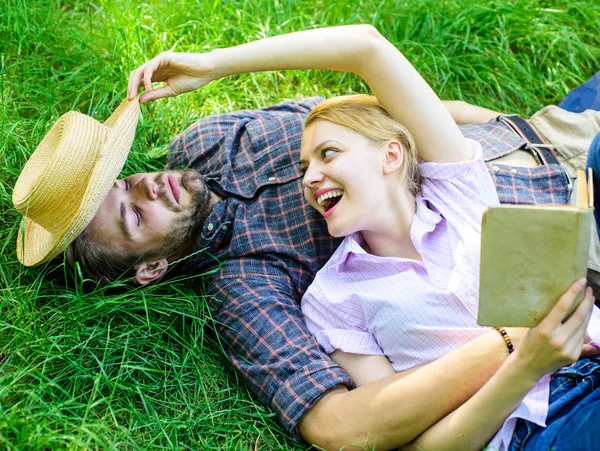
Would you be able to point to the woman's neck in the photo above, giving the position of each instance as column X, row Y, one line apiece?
column 390, row 236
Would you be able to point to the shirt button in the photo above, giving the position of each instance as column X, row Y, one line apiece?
column 514, row 170
column 210, row 226
column 224, row 228
column 495, row 168
column 272, row 179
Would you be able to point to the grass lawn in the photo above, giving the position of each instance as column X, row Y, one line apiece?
column 140, row 369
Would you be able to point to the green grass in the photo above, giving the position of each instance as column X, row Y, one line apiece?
column 140, row 368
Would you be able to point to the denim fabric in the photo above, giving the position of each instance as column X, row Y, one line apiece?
column 573, row 413
column 593, row 161
column 584, row 97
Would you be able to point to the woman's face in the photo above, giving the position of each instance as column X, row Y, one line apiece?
column 343, row 177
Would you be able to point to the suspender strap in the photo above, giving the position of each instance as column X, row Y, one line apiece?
column 534, row 142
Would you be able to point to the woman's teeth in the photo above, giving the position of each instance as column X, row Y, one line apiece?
column 324, row 199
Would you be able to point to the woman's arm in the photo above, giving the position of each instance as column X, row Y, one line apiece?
column 358, row 48
column 392, row 411
column 547, row 347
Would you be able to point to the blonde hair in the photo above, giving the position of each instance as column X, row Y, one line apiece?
column 365, row 115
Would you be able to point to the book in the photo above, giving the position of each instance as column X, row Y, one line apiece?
column 530, row 255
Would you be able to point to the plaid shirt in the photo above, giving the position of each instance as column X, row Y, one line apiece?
column 264, row 244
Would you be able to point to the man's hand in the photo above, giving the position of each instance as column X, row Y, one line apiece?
column 183, row 72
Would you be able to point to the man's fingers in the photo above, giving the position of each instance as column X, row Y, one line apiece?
column 564, row 304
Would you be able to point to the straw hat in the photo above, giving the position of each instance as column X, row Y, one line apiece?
column 67, row 178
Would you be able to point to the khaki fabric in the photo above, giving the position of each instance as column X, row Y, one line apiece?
column 570, row 133
column 594, row 258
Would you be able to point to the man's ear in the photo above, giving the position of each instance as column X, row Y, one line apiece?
column 394, row 157
column 146, row 272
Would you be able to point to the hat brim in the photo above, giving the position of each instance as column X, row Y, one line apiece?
column 35, row 244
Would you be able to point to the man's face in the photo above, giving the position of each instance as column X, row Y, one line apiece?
column 153, row 213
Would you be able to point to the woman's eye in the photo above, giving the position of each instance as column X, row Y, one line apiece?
column 328, row 152
column 126, row 185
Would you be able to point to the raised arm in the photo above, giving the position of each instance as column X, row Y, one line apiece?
column 359, row 49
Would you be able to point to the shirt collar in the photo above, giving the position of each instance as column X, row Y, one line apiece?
column 425, row 221
column 218, row 226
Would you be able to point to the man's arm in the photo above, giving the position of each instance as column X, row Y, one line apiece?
column 466, row 113
column 263, row 332
column 393, row 411
column 261, row 327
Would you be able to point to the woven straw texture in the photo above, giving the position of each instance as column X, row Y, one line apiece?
column 67, row 178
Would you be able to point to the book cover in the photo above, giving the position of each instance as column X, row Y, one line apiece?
column 530, row 255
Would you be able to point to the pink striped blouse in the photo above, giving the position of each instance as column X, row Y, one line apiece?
column 415, row 312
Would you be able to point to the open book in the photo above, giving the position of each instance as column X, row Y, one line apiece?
column 530, row 255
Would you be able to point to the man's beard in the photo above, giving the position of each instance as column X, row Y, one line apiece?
column 187, row 228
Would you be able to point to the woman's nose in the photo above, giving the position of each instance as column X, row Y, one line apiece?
column 312, row 177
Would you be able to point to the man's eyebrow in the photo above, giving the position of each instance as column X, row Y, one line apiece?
column 318, row 147
column 123, row 221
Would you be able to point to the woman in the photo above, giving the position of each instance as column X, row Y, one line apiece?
column 362, row 172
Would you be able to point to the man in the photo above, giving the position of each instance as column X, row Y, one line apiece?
column 245, row 220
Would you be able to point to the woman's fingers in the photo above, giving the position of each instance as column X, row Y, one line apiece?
column 182, row 72
column 589, row 350
column 562, row 308
column 158, row 93
column 135, row 78
column 577, row 322
column 148, row 78
column 143, row 74
column 574, row 330
column 559, row 338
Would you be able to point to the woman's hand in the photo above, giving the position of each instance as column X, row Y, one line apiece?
column 557, row 340
column 183, row 72
column 553, row 343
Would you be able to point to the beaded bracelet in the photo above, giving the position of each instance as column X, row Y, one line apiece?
column 506, row 338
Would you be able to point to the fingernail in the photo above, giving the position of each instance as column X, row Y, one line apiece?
column 581, row 282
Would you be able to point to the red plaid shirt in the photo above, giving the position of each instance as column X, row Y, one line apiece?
column 264, row 245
